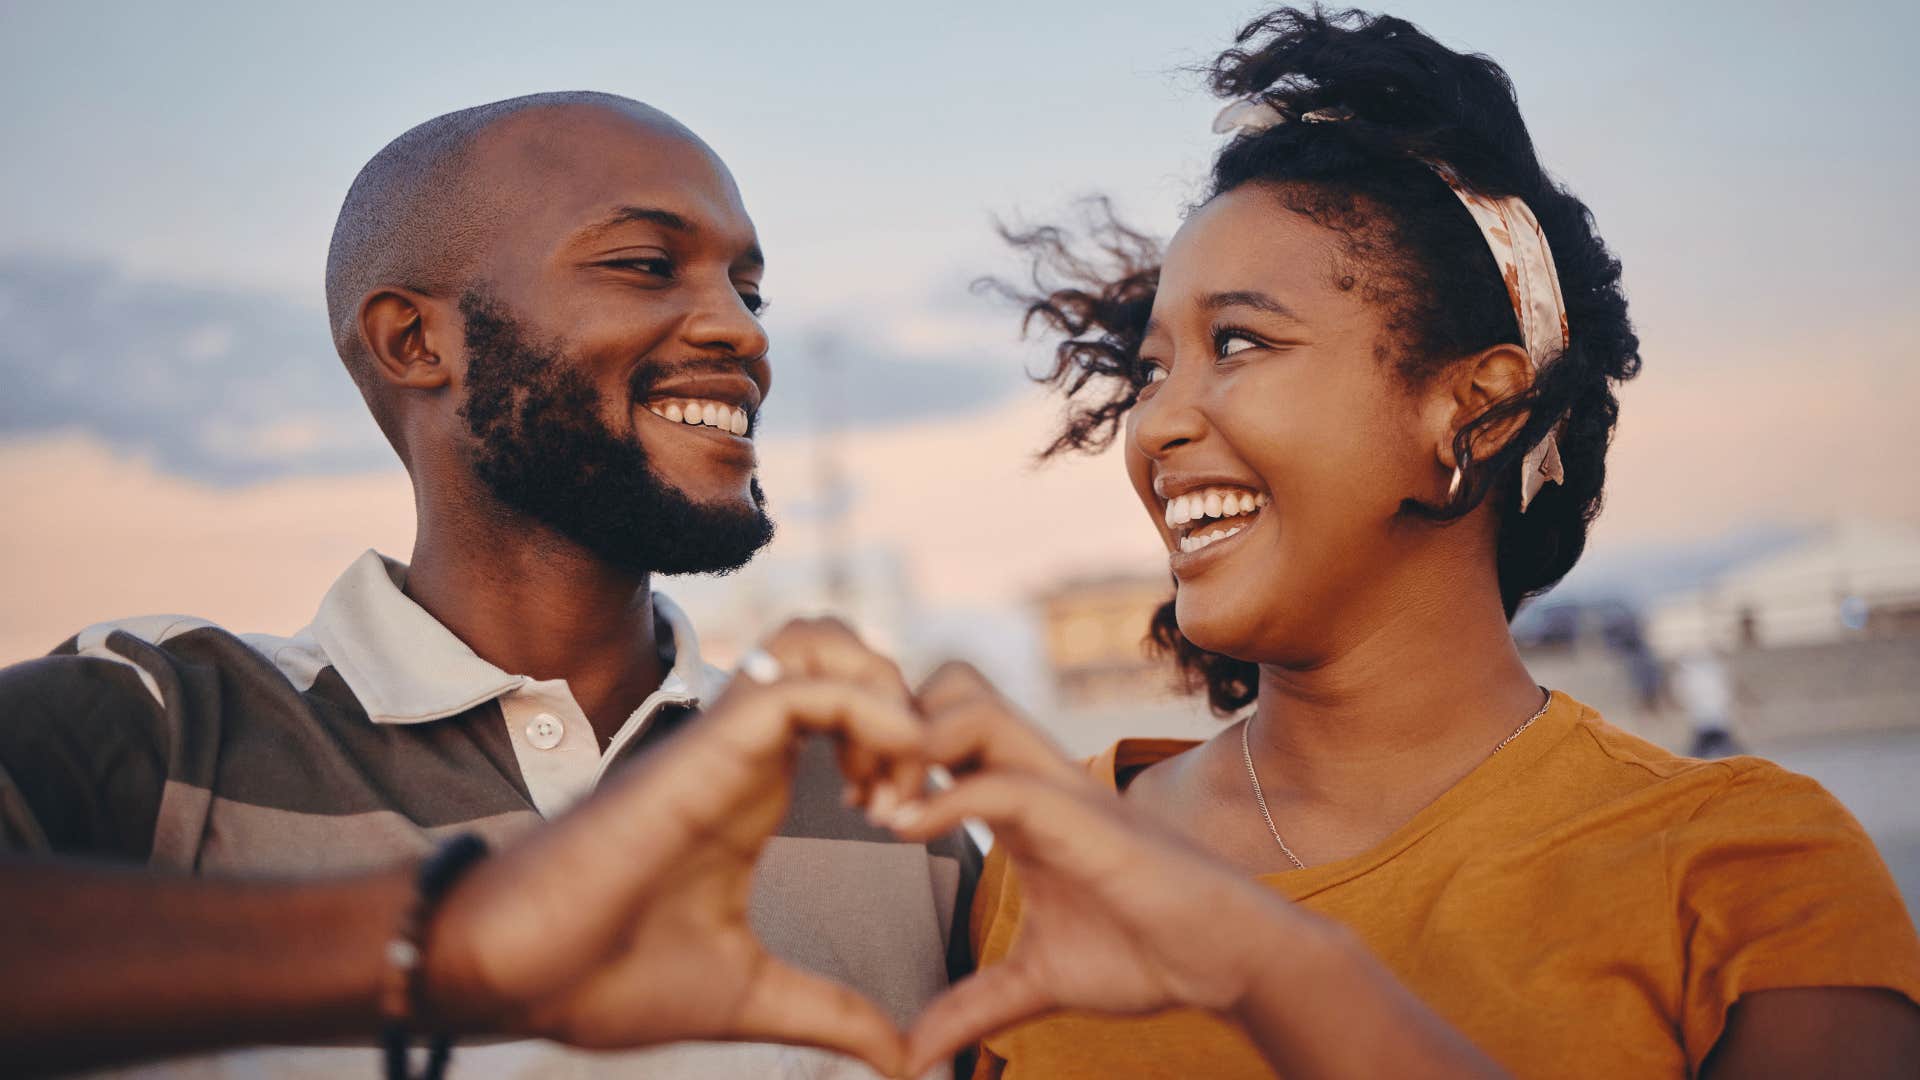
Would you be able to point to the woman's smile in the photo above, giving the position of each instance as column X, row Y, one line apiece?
column 1205, row 522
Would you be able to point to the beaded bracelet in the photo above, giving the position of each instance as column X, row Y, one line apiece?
column 400, row 996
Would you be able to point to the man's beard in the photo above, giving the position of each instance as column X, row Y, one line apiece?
column 544, row 450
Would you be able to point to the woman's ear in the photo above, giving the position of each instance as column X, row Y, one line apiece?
column 1470, row 388
column 399, row 330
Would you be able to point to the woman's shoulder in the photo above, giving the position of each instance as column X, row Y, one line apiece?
column 1118, row 764
column 1742, row 815
column 1707, row 792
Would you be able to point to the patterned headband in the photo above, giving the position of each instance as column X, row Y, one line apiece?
column 1519, row 250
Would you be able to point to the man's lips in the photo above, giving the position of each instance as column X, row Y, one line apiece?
column 693, row 412
column 721, row 388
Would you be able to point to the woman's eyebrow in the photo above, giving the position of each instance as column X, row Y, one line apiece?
column 1254, row 299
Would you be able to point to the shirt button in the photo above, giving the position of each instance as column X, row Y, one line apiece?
column 545, row 731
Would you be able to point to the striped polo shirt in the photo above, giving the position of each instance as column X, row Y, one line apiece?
column 375, row 731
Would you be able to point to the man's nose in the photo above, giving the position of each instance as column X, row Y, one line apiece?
column 721, row 322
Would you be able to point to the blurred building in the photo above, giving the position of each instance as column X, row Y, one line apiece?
column 1096, row 641
column 1105, row 684
column 1818, row 638
column 1821, row 638
column 1597, row 650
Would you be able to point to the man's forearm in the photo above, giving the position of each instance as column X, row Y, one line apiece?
column 1322, row 1006
column 104, row 964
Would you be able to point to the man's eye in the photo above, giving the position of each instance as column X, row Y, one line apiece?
column 756, row 304
column 656, row 267
column 1153, row 373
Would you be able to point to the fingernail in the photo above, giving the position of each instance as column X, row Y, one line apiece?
column 884, row 800
column 907, row 815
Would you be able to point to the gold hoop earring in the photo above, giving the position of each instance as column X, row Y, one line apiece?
column 1453, row 486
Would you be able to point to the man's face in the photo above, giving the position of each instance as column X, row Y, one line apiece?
column 615, row 365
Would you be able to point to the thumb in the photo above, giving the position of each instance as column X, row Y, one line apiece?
column 787, row 1005
column 991, row 1000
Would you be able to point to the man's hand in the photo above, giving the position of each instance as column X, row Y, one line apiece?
column 625, row 923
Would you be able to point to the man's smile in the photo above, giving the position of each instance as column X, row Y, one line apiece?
column 695, row 412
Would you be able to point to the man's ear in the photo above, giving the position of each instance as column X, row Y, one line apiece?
column 1472, row 386
column 404, row 337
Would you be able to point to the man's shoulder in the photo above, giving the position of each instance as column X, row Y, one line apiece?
column 151, row 648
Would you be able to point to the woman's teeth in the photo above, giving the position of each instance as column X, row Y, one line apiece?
column 713, row 414
column 1195, row 543
column 1213, row 503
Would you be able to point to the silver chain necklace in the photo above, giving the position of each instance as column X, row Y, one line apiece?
column 1260, row 796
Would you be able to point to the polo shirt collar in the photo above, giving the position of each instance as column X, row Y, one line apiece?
column 405, row 667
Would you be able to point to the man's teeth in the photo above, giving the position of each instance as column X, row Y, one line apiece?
column 1212, row 503
column 713, row 414
column 1195, row 543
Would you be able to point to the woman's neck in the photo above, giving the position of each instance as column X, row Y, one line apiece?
column 1401, row 712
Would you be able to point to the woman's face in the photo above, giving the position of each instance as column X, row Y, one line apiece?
column 1278, row 442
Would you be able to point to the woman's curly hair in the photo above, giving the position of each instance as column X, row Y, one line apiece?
column 1403, row 100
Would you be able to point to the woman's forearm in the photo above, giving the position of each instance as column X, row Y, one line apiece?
column 1320, row 1005
column 106, row 964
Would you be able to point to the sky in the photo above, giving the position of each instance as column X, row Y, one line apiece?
column 175, row 433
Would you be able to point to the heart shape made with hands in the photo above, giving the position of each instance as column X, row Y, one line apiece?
column 1098, row 884
column 624, row 923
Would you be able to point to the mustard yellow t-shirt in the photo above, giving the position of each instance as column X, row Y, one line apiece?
column 1582, row 904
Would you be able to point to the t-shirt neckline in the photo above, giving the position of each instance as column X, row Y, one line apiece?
column 1489, row 776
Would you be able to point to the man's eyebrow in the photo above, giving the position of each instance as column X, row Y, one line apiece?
column 666, row 219
column 627, row 215
column 1258, row 301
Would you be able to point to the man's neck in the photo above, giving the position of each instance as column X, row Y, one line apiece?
column 535, row 604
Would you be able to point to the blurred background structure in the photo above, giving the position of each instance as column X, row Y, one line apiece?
column 176, row 435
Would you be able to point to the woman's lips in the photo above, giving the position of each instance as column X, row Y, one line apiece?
column 1200, row 547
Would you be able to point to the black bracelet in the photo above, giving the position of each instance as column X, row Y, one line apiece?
column 400, row 1001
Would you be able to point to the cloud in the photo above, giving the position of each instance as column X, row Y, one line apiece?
column 207, row 383
column 236, row 387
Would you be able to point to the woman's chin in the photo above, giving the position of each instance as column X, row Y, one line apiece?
column 1215, row 627
column 1250, row 626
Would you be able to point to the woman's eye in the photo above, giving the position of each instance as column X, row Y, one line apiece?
column 1230, row 342
column 1154, row 373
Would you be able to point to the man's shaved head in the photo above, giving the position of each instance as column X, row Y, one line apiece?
column 420, row 213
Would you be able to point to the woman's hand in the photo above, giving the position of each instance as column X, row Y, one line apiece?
column 625, row 923
column 1121, row 917
column 1116, row 917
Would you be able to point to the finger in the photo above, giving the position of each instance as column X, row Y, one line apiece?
column 786, row 1005
column 989, row 1001
column 728, row 768
column 951, row 682
column 1025, row 812
column 971, row 725
column 829, row 648
column 762, row 719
